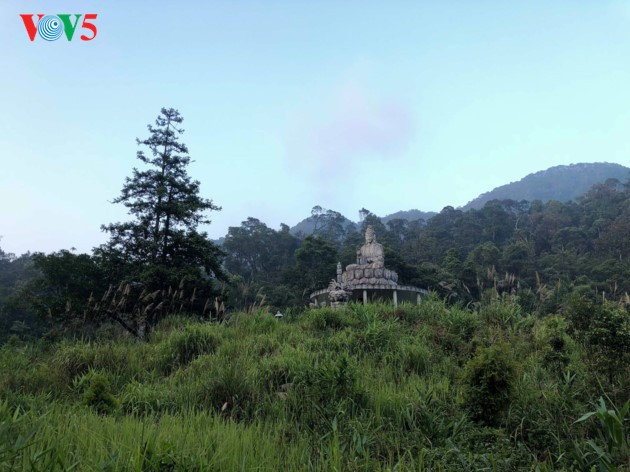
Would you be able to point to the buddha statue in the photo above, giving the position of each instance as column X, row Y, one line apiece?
column 371, row 254
column 370, row 266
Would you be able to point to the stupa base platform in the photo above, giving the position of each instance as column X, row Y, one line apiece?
column 370, row 293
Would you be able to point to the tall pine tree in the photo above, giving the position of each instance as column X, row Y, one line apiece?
column 161, row 247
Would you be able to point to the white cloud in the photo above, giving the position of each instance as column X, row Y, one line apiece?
column 352, row 126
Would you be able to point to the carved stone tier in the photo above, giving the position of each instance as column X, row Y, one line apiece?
column 367, row 275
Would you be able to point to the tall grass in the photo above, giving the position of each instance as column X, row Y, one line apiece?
column 373, row 387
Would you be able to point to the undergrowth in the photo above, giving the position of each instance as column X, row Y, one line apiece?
column 375, row 387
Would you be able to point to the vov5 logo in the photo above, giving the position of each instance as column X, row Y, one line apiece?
column 51, row 27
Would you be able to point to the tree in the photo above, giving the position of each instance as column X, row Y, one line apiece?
column 15, row 316
column 249, row 248
column 328, row 224
column 609, row 339
column 162, row 245
column 316, row 263
column 62, row 292
column 161, row 248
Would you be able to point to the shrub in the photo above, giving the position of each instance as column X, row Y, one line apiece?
column 490, row 378
column 72, row 360
column 276, row 374
column 580, row 311
column 405, row 313
column 124, row 359
column 327, row 383
column 609, row 340
column 503, row 312
column 462, row 323
column 220, row 382
column 97, row 393
column 611, row 447
column 21, row 372
column 553, row 340
column 257, row 323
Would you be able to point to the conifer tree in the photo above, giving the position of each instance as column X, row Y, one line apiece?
column 161, row 246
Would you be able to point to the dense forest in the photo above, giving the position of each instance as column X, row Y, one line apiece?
column 544, row 253
column 161, row 344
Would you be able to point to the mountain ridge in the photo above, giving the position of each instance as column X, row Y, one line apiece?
column 562, row 182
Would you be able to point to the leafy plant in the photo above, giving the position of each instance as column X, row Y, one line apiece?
column 96, row 392
column 610, row 450
column 490, row 378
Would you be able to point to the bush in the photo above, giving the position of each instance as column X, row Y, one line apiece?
column 221, row 383
column 124, row 359
column 611, row 448
column 278, row 373
column 97, row 393
column 554, row 342
column 462, row 323
column 326, row 384
column 580, row 311
column 503, row 312
column 609, row 341
column 490, row 378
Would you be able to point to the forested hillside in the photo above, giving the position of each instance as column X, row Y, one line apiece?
column 517, row 360
column 562, row 183
column 553, row 248
column 544, row 252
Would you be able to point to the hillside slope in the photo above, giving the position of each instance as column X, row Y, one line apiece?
column 560, row 183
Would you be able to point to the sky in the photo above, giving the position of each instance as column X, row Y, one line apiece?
column 288, row 104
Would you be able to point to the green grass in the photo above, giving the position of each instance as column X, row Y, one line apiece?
column 364, row 388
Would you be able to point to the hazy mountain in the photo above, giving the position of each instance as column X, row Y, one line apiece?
column 562, row 183
column 409, row 215
column 305, row 227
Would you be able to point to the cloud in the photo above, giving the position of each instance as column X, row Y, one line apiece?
column 353, row 126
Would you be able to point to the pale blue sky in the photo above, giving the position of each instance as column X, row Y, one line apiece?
column 289, row 104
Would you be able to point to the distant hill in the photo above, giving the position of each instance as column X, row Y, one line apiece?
column 409, row 215
column 562, row 183
column 219, row 242
column 305, row 227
